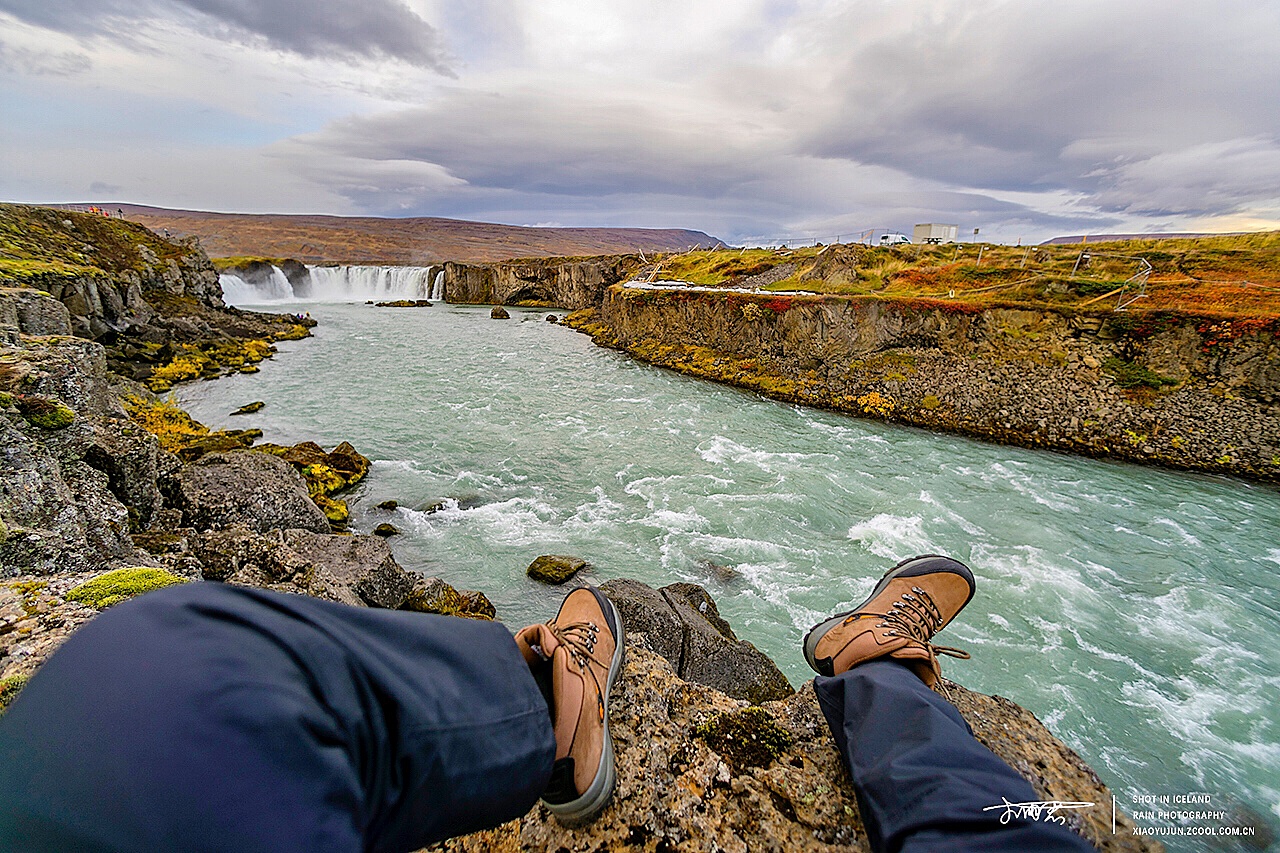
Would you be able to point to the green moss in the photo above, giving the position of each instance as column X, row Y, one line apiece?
column 45, row 413
column 929, row 402
column 10, row 688
column 335, row 510
column 1131, row 375
column 748, row 738
column 6, row 399
column 114, row 587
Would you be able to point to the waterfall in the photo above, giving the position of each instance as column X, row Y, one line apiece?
column 273, row 288
column 437, row 291
column 336, row 284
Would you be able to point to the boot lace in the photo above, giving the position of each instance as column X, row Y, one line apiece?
column 916, row 617
column 579, row 640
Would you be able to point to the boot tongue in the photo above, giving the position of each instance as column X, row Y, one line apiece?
column 570, row 695
column 536, row 643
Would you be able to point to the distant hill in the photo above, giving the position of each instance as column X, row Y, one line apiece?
column 1111, row 238
column 380, row 240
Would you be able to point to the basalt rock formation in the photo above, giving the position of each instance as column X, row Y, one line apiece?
column 554, row 282
column 1153, row 387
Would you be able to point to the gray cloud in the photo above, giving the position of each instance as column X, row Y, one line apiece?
column 342, row 29
column 42, row 63
column 1034, row 96
column 543, row 142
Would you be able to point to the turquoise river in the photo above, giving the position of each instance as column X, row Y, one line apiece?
column 1136, row 611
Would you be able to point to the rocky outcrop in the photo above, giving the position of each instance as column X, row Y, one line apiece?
column 24, row 311
column 67, row 495
column 1177, row 390
column 356, row 570
column 256, row 490
column 683, row 625
column 103, row 270
column 559, row 282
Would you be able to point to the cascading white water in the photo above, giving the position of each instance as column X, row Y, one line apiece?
column 236, row 290
column 338, row 284
column 342, row 284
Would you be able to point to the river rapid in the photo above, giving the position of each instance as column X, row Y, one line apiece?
column 1136, row 611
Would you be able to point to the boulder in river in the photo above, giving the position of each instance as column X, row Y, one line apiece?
column 555, row 568
column 499, row 313
column 249, row 408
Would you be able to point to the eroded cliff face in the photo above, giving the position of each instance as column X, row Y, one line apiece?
column 1195, row 393
column 558, row 282
column 108, row 272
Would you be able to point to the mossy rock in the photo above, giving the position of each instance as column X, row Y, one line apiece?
column 385, row 529
column 45, row 413
column 432, row 595
column 749, row 737
column 555, row 568
column 323, row 480
column 476, row 605
column 114, row 587
column 499, row 313
column 334, row 510
column 6, row 399
column 10, row 688
column 249, row 408
column 217, row 442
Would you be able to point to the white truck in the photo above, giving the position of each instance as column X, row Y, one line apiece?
column 931, row 232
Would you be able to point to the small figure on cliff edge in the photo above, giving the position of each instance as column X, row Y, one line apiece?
column 217, row 717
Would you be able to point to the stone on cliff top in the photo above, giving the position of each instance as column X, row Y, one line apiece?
column 684, row 626
column 499, row 313
column 362, row 563
column 356, row 570
column 31, row 312
column 555, row 568
column 254, row 489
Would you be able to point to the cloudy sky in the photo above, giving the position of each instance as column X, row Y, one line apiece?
column 745, row 119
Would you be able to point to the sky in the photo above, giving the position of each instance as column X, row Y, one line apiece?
column 752, row 120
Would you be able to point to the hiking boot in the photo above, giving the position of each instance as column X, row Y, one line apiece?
column 575, row 658
column 913, row 601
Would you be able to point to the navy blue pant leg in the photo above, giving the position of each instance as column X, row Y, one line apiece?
column 212, row 717
column 921, row 777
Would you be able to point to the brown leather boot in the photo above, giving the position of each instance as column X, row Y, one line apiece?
column 913, row 601
column 579, row 655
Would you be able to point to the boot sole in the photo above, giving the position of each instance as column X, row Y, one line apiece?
column 907, row 568
column 600, row 791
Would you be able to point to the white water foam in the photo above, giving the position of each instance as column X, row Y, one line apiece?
column 891, row 536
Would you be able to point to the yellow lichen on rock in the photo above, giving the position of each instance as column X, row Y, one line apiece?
column 114, row 587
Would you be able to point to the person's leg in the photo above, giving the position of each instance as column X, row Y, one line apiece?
column 210, row 717
column 921, row 777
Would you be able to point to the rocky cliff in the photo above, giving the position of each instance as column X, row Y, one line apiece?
column 102, row 269
column 554, row 282
column 1185, row 391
